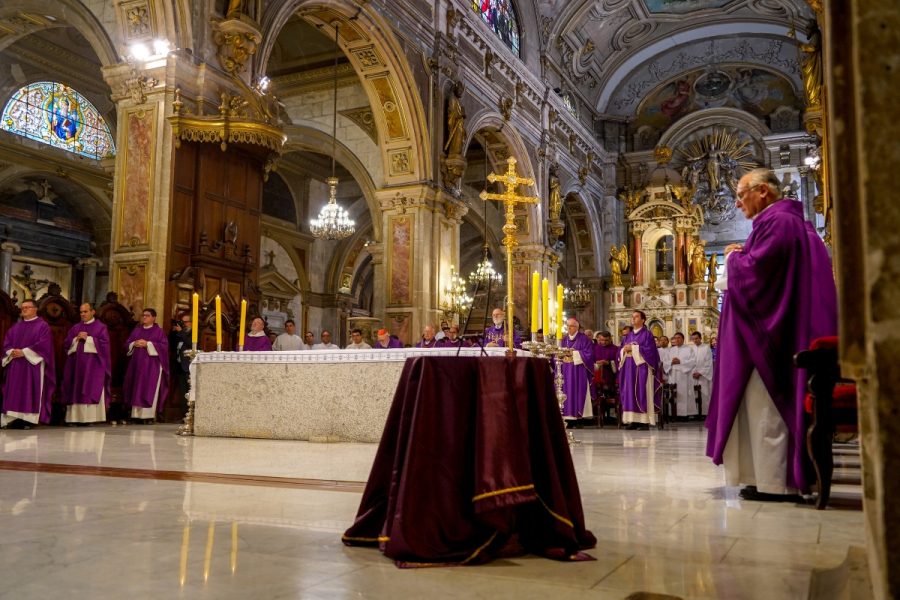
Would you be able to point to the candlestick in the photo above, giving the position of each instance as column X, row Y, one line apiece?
column 545, row 308
column 195, row 324
column 218, row 323
column 559, row 311
column 243, row 324
column 535, row 317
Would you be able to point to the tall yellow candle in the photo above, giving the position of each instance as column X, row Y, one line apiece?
column 243, row 323
column 218, row 322
column 195, row 325
column 535, row 316
column 545, row 307
column 559, row 311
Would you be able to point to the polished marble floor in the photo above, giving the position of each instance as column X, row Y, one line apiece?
column 664, row 523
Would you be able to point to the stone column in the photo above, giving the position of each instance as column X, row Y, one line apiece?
column 89, row 282
column 862, row 77
column 142, row 184
column 7, row 249
column 411, row 216
column 637, row 265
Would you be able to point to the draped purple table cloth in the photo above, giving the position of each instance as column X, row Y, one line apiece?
column 473, row 464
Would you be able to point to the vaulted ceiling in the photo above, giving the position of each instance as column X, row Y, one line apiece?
column 617, row 52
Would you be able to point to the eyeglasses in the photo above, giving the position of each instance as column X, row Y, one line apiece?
column 743, row 193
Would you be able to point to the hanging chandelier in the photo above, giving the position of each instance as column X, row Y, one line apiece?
column 333, row 222
column 484, row 274
column 456, row 300
column 579, row 296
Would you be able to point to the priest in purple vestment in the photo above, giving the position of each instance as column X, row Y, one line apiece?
column 385, row 341
column 638, row 364
column 88, row 369
column 452, row 339
column 257, row 340
column 30, row 375
column 577, row 375
column 147, row 377
column 606, row 355
column 496, row 334
column 428, row 340
column 780, row 296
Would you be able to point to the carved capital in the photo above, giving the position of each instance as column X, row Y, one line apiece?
column 236, row 41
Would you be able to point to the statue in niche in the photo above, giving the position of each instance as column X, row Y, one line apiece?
column 713, row 275
column 618, row 260
column 456, row 122
column 555, row 197
column 697, row 253
column 811, row 65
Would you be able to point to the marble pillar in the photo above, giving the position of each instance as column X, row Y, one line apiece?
column 89, row 282
column 7, row 249
column 862, row 79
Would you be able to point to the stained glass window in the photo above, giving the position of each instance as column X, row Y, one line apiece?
column 55, row 114
column 500, row 15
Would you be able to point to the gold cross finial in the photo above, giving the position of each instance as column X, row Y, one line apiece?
column 509, row 198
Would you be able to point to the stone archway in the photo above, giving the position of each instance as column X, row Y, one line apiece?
column 373, row 50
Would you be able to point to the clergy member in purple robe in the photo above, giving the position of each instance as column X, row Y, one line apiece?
column 780, row 296
column 452, row 339
column 385, row 341
column 88, row 369
column 495, row 335
column 257, row 340
column 428, row 340
column 30, row 375
column 147, row 377
column 638, row 364
column 606, row 356
column 577, row 375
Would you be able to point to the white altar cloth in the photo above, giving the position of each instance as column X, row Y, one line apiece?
column 318, row 395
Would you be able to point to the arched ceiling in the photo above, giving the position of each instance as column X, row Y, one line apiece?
column 617, row 51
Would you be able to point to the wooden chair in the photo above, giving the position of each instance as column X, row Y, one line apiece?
column 832, row 405
column 119, row 323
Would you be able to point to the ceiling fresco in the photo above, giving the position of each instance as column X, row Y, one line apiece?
column 681, row 7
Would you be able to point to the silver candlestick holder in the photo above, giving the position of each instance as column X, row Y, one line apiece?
column 187, row 429
column 555, row 355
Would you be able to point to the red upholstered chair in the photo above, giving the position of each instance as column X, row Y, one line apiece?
column 831, row 403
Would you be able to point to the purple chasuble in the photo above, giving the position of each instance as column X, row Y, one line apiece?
column 144, row 371
column 498, row 336
column 605, row 376
column 257, row 343
column 633, row 377
column 458, row 343
column 393, row 343
column 577, row 378
column 428, row 344
column 88, row 368
column 24, row 391
column 780, row 297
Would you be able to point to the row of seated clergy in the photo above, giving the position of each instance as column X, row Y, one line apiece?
column 85, row 388
column 451, row 338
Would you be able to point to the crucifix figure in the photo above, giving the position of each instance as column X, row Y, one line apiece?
column 511, row 181
column 663, row 258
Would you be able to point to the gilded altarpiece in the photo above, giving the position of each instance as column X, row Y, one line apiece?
column 137, row 179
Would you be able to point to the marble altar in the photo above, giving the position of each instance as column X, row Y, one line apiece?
column 319, row 396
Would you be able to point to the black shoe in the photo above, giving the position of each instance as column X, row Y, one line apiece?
column 751, row 493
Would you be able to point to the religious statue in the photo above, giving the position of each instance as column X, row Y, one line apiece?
column 618, row 260
column 713, row 275
column 555, row 198
column 235, row 8
column 811, row 65
column 456, row 122
column 698, row 261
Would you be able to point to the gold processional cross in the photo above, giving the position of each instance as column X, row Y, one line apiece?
column 509, row 198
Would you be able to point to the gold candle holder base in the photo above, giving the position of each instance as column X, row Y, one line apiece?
column 187, row 429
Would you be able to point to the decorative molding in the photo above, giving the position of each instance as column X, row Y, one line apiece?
column 363, row 118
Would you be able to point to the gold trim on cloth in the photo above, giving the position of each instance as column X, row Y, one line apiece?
column 556, row 516
column 510, row 490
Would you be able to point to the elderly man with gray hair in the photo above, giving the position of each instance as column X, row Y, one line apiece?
column 780, row 297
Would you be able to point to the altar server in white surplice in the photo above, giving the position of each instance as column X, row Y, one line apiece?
column 665, row 361
column 703, row 368
column 681, row 371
